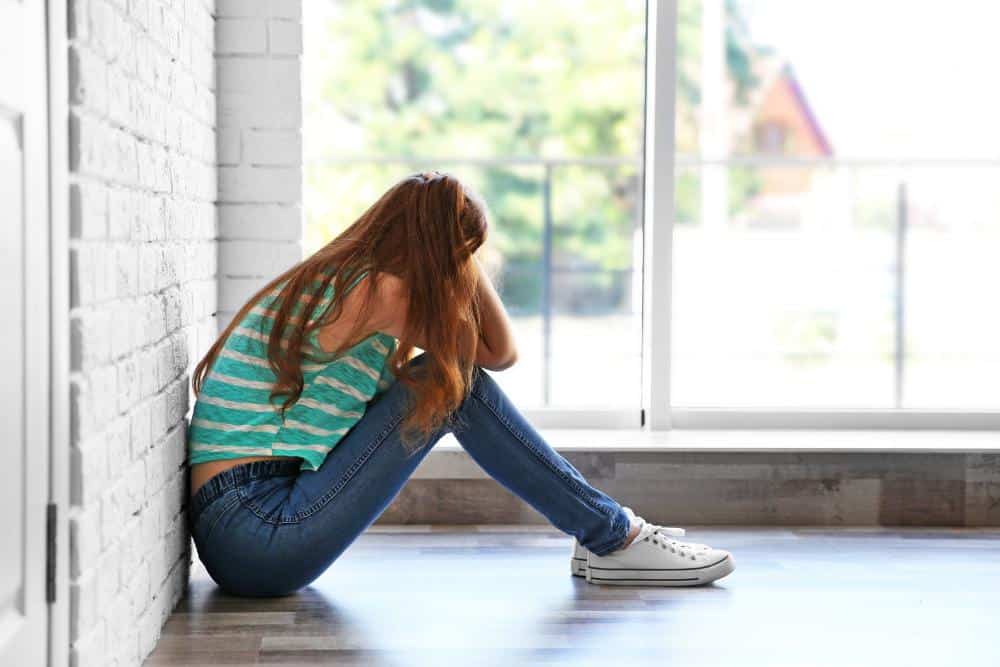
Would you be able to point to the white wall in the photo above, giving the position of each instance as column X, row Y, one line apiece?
column 258, row 54
column 143, row 259
column 185, row 194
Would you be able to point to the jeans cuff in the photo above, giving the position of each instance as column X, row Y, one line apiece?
column 620, row 525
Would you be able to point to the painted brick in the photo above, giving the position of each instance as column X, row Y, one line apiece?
column 284, row 9
column 240, row 35
column 112, row 517
column 90, row 470
column 247, row 259
column 177, row 406
column 165, row 368
column 126, row 262
column 285, row 37
column 158, row 416
column 234, row 292
column 258, row 109
column 108, row 576
column 141, row 430
column 83, row 605
column 148, row 127
column 90, row 342
column 91, row 650
column 78, row 20
column 243, row 8
column 273, row 79
column 260, row 184
column 117, row 440
column 88, row 205
column 137, row 588
column 272, row 147
column 143, row 229
column 228, row 145
column 259, row 92
column 92, row 401
column 85, row 539
column 119, row 104
column 88, row 80
column 150, row 523
column 277, row 222
column 128, row 383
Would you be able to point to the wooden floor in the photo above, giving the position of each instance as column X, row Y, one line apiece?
column 493, row 596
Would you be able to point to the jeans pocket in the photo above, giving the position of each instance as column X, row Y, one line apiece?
column 267, row 498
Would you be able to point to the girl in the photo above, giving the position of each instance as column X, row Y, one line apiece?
column 311, row 413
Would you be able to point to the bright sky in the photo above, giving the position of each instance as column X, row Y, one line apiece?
column 893, row 78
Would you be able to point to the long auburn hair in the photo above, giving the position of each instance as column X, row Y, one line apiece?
column 423, row 230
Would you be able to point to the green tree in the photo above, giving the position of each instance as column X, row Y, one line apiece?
column 560, row 79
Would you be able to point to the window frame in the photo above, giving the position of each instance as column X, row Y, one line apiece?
column 658, row 164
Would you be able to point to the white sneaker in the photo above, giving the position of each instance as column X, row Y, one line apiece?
column 578, row 560
column 653, row 559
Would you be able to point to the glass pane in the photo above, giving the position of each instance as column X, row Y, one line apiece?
column 596, row 285
column 536, row 105
column 951, row 274
column 783, row 301
column 858, row 79
column 837, row 219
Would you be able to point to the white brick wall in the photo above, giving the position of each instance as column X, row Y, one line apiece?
column 258, row 57
column 144, row 292
column 185, row 195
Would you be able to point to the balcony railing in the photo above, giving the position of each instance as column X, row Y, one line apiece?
column 547, row 167
column 899, row 224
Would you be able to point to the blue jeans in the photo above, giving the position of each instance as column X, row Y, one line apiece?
column 264, row 528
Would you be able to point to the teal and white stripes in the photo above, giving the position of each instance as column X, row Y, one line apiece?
column 234, row 417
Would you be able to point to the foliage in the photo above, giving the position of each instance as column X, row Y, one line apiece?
column 559, row 80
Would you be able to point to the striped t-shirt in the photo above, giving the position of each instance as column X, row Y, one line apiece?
column 234, row 416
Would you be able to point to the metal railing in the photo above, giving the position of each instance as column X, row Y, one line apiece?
column 684, row 162
column 547, row 167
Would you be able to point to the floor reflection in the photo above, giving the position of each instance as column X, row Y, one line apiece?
column 478, row 596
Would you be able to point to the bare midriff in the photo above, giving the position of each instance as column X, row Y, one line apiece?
column 202, row 472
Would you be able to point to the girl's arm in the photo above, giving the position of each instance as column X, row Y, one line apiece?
column 497, row 350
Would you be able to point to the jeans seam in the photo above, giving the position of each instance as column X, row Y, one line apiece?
column 257, row 511
column 218, row 517
column 572, row 484
column 351, row 472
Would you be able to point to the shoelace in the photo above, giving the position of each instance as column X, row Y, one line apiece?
column 652, row 531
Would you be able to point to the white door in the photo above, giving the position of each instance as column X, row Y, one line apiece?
column 24, row 332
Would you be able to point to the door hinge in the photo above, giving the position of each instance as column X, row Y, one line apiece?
column 50, row 552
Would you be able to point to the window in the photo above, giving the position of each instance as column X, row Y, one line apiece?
column 539, row 107
column 819, row 228
column 841, row 170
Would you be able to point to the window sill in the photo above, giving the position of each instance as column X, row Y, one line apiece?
column 952, row 441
